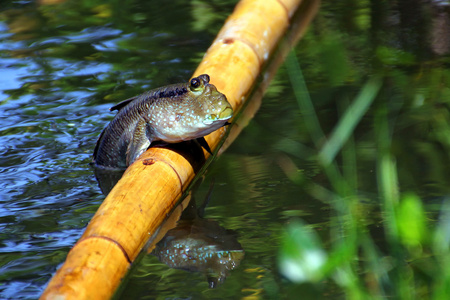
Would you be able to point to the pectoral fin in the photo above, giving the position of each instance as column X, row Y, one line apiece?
column 204, row 144
column 139, row 143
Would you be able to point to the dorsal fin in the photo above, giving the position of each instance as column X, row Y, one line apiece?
column 122, row 104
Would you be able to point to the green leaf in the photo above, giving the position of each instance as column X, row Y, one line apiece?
column 411, row 221
column 302, row 256
column 392, row 56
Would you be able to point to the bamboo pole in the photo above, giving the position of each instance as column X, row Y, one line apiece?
column 151, row 187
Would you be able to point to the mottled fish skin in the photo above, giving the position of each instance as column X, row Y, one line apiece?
column 175, row 113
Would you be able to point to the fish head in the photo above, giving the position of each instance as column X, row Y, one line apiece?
column 197, row 112
column 211, row 107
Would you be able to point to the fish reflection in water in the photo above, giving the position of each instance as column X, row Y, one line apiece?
column 200, row 245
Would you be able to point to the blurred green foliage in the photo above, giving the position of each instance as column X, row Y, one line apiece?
column 392, row 119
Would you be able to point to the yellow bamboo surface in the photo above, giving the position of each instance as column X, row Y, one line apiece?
column 151, row 187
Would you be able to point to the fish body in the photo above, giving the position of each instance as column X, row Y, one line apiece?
column 174, row 113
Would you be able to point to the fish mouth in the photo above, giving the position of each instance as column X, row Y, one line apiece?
column 226, row 113
column 223, row 115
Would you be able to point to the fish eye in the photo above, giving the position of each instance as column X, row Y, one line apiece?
column 195, row 83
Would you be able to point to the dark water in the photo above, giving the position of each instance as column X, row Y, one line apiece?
column 63, row 65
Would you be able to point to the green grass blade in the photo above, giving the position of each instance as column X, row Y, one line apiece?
column 303, row 99
column 351, row 118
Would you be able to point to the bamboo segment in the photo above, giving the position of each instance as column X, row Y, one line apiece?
column 236, row 56
column 151, row 187
column 261, row 34
column 80, row 271
column 304, row 15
